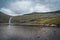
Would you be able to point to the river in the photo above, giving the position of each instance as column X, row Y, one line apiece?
column 29, row 33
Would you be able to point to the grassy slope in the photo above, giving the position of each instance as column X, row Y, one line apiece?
column 33, row 18
column 47, row 21
column 38, row 18
column 3, row 18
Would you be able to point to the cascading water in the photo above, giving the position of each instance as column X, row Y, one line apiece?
column 10, row 22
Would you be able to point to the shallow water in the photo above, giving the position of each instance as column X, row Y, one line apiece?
column 8, row 32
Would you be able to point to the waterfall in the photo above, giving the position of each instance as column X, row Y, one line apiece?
column 10, row 22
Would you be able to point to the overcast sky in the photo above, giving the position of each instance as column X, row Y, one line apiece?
column 20, row 7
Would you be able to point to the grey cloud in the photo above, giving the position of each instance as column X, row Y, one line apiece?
column 52, row 5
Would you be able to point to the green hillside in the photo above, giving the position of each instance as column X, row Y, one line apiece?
column 33, row 18
column 4, row 18
column 47, row 21
column 38, row 18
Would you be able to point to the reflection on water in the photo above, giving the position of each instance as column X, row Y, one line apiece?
column 29, row 33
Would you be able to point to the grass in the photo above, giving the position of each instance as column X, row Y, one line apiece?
column 46, row 21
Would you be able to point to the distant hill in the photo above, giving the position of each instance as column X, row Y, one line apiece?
column 4, row 18
column 33, row 18
column 38, row 18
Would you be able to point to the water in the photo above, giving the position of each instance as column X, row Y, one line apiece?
column 10, row 22
column 29, row 33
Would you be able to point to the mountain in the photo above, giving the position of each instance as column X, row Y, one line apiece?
column 38, row 18
column 33, row 18
column 4, row 18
